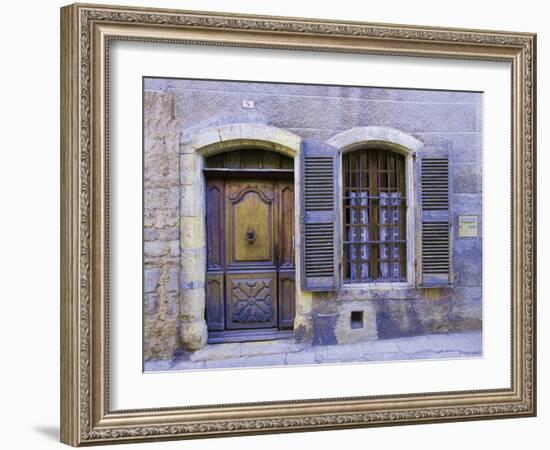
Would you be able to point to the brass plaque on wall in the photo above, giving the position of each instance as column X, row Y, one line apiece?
column 467, row 226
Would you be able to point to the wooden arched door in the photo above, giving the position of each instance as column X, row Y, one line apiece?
column 250, row 254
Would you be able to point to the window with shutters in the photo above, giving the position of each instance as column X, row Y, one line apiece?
column 374, row 212
column 435, row 220
column 320, row 255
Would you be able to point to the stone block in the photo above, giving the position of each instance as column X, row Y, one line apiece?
column 161, row 198
column 160, row 338
column 217, row 352
column 413, row 344
column 192, row 284
column 160, row 169
column 206, row 137
column 164, row 218
column 186, row 365
column 300, row 358
column 193, row 335
column 263, row 348
column 192, row 232
column 175, row 248
column 169, row 234
column 150, row 305
column 192, row 201
column 454, row 342
column 344, row 352
column 150, row 280
column 381, row 346
column 289, row 140
column 222, row 364
column 173, row 279
column 264, row 360
column 189, row 170
column 374, row 133
column 158, row 365
column 233, row 131
column 156, row 248
column 172, row 306
column 150, row 234
column 193, row 265
column 192, row 305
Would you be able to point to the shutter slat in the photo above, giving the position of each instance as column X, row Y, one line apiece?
column 319, row 258
column 435, row 234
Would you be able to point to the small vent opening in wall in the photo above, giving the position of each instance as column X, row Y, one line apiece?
column 356, row 319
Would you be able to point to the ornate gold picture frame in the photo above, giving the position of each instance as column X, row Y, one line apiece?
column 87, row 32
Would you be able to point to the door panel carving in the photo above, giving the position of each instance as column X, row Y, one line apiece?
column 251, row 300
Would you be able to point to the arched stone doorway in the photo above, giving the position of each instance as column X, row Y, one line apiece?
column 250, row 264
column 194, row 150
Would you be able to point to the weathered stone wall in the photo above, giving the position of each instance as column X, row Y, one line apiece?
column 436, row 118
column 161, row 188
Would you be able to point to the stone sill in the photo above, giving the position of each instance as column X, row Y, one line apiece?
column 391, row 291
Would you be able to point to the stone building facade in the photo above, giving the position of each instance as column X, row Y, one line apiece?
column 188, row 121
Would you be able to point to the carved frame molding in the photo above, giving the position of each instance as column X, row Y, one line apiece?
column 86, row 31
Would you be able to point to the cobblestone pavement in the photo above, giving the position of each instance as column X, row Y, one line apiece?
column 287, row 352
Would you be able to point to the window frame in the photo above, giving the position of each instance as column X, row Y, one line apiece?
column 411, row 215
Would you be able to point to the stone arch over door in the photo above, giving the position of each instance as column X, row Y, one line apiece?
column 353, row 138
column 194, row 149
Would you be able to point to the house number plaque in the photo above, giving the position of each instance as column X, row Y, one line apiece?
column 467, row 226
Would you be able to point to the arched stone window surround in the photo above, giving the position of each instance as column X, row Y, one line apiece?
column 399, row 142
column 194, row 149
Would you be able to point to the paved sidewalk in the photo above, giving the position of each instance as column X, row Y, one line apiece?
column 287, row 352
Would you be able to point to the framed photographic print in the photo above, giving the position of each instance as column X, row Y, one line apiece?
column 280, row 224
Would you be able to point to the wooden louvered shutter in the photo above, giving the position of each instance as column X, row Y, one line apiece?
column 320, row 256
column 435, row 249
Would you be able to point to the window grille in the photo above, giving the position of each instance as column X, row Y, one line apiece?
column 374, row 216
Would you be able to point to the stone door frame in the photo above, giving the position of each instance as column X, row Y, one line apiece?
column 194, row 149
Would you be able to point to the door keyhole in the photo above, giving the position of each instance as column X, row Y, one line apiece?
column 251, row 236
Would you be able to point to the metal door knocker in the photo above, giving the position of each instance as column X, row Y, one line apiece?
column 251, row 236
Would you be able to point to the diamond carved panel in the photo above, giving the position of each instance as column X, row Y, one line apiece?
column 252, row 301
